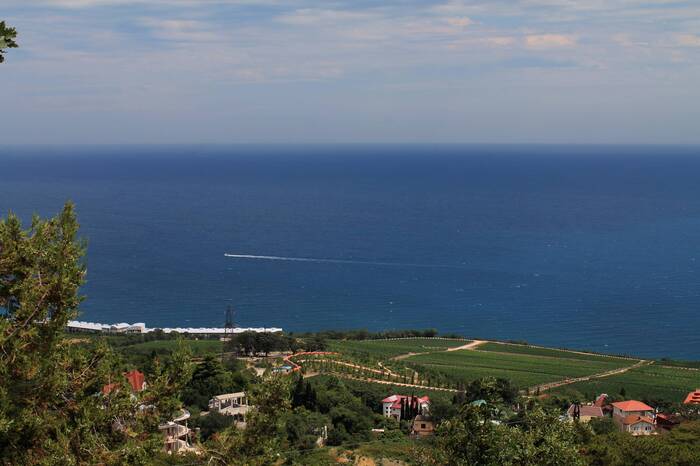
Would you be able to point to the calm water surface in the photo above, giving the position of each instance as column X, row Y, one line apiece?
column 586, row 247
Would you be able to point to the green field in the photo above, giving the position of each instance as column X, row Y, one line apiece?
column 522, row 369
column 199, row 347
column 646, row 383
column 380, row 390
column 536, row 351
column 384, row 349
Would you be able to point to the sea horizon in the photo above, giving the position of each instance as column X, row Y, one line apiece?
column 559, row 245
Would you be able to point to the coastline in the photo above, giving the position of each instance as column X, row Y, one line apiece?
column 140, row 328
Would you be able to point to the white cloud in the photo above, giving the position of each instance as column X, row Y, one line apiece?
column 500, row 41
column 310, row 16
column 688, row 40
column 460, row 21
column 545, row 41
column 179, row 30
column 75, row 4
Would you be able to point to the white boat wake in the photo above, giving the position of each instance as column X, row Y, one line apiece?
column 341, row 261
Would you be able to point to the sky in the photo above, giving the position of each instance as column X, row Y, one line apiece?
column 302, row 71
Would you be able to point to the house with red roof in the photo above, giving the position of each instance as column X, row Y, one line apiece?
column 666, row 422
column 693, row 398
column 634, row 417
column 136, row 379
column 584, row 413
column 603, row 402
column 391, row 405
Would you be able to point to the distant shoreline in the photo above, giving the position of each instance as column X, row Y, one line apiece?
column 140, row 328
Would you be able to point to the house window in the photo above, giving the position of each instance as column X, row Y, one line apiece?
column 422, row 426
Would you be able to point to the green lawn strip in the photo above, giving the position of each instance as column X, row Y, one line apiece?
column 536, row 351
column 391, row 348
column 199, row 347
column 668, row 362
column 647, row 383
column 521, row 369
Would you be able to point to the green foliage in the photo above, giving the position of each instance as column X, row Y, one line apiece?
column 304, row 428
column 492, row 390
column 211, row 378
column 169, row 378
column 51, row 407
column 253, row 343
column 314, row 343
column 49, row 411
column 303, row 394
column 260, row 443
column 471, row 438
column 211, row 424
column 602, row 425
column 7, row 39
column 352, row 419
column 679, row 447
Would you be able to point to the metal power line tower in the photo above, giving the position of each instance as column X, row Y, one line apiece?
column 229, row 324
column 228, row 333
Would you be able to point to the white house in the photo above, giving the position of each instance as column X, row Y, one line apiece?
column 176, row 435
column 231, row 404
column 391, row 406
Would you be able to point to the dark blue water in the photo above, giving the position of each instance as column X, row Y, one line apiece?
column 585, row 247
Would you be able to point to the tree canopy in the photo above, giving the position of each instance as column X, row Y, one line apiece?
column 7, row 39
column 51, row 407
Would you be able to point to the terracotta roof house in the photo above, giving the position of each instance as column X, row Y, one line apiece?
column 634, row 417
column 601, row 401
column 586, row 413
column 693, row 398
column 136, row 380
column 638, row 425
column 391, row 405
column 666, row 421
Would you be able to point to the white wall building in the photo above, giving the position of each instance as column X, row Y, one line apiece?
column 391, row 406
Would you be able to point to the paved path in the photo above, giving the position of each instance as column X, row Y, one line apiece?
column 560, row 383
column 468, row 346
column 471, row 345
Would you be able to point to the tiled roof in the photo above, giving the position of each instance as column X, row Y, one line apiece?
column 634, row 419
column 590, row 411
column 693, row 397
column 136, row 379
column 632, row 405
column 398, row 398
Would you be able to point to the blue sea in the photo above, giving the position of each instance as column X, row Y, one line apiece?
column 590, row 247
